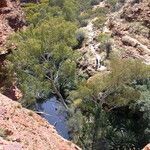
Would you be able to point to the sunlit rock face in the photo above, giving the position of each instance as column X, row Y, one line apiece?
column 3, row 3
column 22, row 129
column 11, row 19
column 130, row 29
column 147, row 147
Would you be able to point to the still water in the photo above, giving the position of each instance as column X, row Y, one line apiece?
column 55, row 114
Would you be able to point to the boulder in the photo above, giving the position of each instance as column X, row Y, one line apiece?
column 127, row 40
column 143, row 49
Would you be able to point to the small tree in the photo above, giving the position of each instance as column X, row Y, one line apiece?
column 104, row 39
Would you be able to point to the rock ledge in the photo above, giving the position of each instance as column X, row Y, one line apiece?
column 22, row 129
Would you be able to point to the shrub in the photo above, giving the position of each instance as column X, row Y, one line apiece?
column 80, row 36
column 83, row 23
column 99, row 23
column 103, row 37
column 105, row 43
column 112, row 4
column 94, row 2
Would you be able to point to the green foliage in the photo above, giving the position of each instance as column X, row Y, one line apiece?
column 112, row 3
column 100, row 13
column 105, row 104
column 44, row 53
column 36, row 14
column 84, row 5
column 92, row 13
column 95, row 2
column 109, row 110
column 105, row 41
column 119, row 83
column 83, row 23
column 85, row 125
column 143, row 106
column 6, row 77
column 59, row 3
column 99, row 22
column 80, row 36
column 103, row 37
column 70, row 10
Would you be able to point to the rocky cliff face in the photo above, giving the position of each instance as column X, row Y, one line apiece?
column 11, row 19
column 130, row 29
column 22, row 129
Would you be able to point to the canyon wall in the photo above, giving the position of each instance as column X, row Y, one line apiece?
column 22, row 129
column 11, row 19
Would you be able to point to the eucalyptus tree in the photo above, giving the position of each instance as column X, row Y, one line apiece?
column 44, row 60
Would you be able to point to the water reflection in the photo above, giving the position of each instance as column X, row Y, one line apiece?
column 55, row 114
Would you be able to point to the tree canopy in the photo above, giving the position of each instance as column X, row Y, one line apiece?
column 109, row 110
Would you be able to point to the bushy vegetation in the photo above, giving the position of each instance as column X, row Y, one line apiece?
column 44, row 59
column 94, row 2
column 105, row 40
column 99, row 22
column 102, row 108
column 65, row 8
column 109, row 110
column 80, row 36
column 5, row 76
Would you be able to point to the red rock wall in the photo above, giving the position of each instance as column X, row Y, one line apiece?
column 22, row 129
column 11, row 19
column 3, row 3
